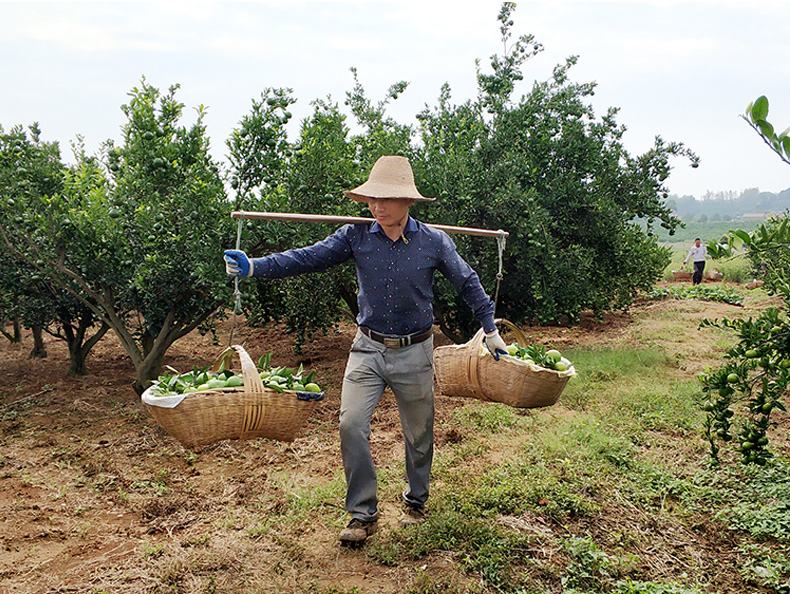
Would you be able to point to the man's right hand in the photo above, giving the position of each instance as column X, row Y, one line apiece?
column 237, row 263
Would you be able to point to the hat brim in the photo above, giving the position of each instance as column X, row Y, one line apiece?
column 364, row 197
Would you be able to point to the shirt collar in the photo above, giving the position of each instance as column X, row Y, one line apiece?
column 411, row 225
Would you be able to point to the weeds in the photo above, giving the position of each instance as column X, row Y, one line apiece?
column 699, row 292
column 762, row 507
column 766, row 568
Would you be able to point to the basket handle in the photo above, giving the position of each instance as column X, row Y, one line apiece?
column 475, row 344
column 249, row 372
column 521, row 339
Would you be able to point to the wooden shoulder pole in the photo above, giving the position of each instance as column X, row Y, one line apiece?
column 316, row 218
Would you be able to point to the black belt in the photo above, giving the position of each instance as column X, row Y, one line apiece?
column 394, row 341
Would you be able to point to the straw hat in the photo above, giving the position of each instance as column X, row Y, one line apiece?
column 391, row 177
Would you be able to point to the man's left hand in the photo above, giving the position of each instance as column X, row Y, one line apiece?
column 495, row 345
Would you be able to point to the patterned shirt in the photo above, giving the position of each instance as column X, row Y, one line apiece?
column 395, row 278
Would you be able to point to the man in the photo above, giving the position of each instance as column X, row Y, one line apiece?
column 697, row 254
column 396, row 258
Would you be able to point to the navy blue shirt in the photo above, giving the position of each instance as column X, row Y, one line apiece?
column 395, row 278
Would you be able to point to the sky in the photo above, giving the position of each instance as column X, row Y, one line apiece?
column 679, row 70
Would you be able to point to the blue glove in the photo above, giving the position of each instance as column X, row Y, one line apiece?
column 495, row 345
column 237, row 263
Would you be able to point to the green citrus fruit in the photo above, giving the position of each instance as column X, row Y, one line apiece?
column 234, row 381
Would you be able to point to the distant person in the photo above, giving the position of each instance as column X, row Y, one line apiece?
column 697, row 254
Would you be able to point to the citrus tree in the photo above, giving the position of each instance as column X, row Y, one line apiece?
column 558, row 179
column 31, row 178
column 752, row 385
column 306, row 176
column 136, row 235
column 541, row 167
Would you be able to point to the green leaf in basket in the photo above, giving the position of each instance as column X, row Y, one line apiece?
column 275, row 386
column 265, row 361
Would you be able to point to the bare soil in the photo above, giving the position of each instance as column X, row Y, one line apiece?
column 94, row 496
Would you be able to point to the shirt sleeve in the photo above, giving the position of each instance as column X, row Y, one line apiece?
column 467, row 283
column 318, row 257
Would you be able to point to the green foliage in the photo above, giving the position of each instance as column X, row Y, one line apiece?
column 756, row 116
column 717, row 293
column 637, row 587
column 762, row 508
column 755, row 379
column 684, row 235
column 766, row 568
column 558, row 180
column 308, row 176
column 33, row 180
column 543, row 167
column 753, row 382
column 482, row 547
column 590, row 568
column 520, row 487
column 136, row 243
column 489, row 418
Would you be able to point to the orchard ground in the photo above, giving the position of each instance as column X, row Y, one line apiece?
column 95, row 497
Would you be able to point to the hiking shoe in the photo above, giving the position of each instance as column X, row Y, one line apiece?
column 357, row 531
column 412, row 515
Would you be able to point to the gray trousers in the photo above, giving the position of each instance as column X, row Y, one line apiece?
column 408, row 371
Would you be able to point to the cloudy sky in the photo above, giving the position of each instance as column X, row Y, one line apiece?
column 682, row 71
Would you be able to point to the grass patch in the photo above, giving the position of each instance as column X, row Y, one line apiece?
column 603, row 373
column 481, row 546
column 486, row 418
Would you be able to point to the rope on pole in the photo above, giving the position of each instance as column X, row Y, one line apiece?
column 236, row 291
column 500, row 244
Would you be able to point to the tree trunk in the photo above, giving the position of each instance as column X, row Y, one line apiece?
column 150, row 369
column 439, row 316
column 79, row 348
column 15, row 336
column 350, row 299
column 17, row 331
column 39, row 350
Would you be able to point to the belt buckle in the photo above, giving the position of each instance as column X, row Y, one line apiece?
column 394, row 343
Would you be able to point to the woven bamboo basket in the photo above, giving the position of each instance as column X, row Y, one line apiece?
column 469, row 371
column 682, row 274
column 713, row 275
column 247, row 412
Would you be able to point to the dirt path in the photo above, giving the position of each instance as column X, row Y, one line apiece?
column 96, row 497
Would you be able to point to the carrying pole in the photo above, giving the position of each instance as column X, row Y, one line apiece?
column 316, row 218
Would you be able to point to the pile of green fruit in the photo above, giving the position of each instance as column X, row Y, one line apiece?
column 540, row 356
column 280, row 379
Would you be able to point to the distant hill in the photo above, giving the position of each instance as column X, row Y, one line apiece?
column 751, row 204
